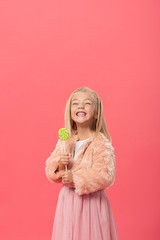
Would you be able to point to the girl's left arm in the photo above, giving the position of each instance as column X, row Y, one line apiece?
column 102, row 173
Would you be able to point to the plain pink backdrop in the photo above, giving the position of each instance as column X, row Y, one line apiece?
column 47, row 50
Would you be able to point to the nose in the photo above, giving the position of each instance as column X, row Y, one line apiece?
column 81, row 106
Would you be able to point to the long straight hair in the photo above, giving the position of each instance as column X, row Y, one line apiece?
column 99, row 121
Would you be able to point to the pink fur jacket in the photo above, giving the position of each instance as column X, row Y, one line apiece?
column 93, row 167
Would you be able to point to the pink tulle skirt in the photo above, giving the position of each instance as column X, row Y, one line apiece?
column 85, row 217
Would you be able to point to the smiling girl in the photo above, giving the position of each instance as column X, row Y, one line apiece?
column 83, row 209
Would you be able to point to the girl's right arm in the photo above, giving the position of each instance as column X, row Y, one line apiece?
column 53, row 167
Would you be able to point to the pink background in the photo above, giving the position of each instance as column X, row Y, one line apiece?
column 47, row 50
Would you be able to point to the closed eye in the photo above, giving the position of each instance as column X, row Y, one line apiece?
column 77, row 103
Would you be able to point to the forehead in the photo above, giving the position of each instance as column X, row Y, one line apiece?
column 82, row 96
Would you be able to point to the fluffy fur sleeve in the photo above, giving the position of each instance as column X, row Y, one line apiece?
column 51, row 164
column 102, row 173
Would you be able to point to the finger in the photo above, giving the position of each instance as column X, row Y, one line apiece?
column 65, row 179
column 65, row 162
column 65, row 153
column 64, row 158
column 63, row 176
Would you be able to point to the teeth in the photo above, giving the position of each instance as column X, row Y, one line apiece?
column 81, row 114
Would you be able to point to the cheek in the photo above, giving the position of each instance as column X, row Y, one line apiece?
column 72, row 112
column 73, row 109
column 91, row 111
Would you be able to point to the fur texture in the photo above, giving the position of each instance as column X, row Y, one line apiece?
column 93, row 167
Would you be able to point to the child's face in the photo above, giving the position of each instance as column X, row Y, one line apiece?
column 82, row 102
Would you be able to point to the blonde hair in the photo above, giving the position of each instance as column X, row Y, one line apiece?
column 99, row 123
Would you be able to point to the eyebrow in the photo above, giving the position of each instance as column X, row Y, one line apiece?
column 84, row 99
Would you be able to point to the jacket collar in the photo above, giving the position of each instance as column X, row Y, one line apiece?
column 70, row 147
column 70, row 143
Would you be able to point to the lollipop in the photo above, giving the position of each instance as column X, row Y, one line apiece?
column 63, row 134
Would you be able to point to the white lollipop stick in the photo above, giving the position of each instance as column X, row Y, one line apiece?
column 64, row 147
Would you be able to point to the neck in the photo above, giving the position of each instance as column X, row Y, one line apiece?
column 83, row 133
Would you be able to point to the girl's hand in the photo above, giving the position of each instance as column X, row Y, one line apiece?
column 67, row 177
column 64, row 159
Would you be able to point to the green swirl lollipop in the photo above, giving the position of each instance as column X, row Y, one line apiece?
column 63, row 134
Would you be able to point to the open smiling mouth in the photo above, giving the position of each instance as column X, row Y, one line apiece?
column 81, row 114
